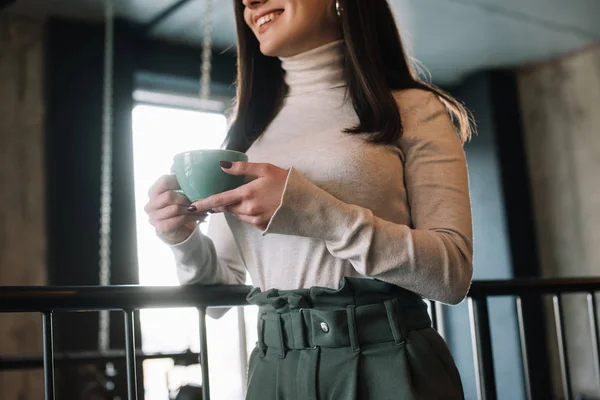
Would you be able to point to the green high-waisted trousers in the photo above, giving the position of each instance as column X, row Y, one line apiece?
column 367, row 340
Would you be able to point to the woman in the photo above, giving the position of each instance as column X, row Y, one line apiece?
column 358, row 208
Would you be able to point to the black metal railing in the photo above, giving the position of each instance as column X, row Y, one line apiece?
column 47, row 300
column 518, row 289
column 16, row 363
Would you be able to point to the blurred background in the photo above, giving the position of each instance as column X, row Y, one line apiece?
column 76, row 101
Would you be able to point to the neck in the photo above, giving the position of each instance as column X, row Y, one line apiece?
column 315, row 70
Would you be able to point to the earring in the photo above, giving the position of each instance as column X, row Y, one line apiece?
column 338, row 8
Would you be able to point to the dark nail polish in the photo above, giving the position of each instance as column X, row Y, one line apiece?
column 192, row 209
column 226, row 164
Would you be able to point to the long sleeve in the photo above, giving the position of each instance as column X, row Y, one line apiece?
column 212, row 259
column 433, row 256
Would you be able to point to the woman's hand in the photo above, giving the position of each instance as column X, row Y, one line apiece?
column 168, row 211
column 255, row 202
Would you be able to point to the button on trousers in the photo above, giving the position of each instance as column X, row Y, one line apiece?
column 367, row 340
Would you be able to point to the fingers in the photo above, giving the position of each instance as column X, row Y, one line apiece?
column 166, row 199
column 163, row 184
column 174, row 212
column 249, row 209
column 245, row 212
column 170, row 205
column 221, row 200
column 170, row 219
column 259, row 221
column 168, row 212
column 173, row 226
column 246, row 168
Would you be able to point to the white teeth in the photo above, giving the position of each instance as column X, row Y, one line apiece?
column 268, row 18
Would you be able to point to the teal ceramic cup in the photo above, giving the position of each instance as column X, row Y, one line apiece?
column 200, row 175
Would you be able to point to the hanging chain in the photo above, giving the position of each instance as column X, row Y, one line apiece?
column 206, row 67
column 106, row 179
column 107, row 131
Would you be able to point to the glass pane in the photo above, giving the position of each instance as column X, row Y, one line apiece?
column 158, row 134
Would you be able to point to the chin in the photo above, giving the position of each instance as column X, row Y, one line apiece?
column 271, row 50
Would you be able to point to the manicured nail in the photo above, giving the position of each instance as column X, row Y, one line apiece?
column 192, row 209
column 226, row 164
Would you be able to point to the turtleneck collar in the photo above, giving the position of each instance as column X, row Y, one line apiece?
column 315, row 70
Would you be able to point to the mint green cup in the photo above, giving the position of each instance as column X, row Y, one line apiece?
column 200, row 175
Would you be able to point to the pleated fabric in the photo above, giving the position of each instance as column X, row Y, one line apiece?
column 367, row 340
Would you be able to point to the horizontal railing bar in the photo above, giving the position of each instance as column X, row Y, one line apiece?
column 14, row 363
column 519, row 287
column 94, row 298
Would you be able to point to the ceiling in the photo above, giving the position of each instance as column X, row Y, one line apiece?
column 451, row 38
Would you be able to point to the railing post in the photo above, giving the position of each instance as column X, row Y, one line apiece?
column 562, row 346
column 48, row 355
column 436, row 312
column 243, row 346
column 523, row 340
column 433, row 314
column 593, row 314
column 130, row 354
column 204, row 353
column 440, row 322
column 482, row 348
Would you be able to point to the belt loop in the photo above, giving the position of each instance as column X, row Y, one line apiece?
column 306, row 315
column 281, row 340
column 394, row 314
column 298, row 329
column 352, row 332
column 261, row 332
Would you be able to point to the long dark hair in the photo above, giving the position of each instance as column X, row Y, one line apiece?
column 376, row 63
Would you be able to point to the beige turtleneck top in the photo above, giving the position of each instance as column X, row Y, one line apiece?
column 399, row 213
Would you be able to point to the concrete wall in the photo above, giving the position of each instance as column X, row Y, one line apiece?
column 22, row 203
column 560, row 103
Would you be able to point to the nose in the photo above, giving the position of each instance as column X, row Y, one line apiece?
column 254, row 3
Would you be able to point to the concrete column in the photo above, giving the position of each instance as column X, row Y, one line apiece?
column 560, row 103
column 22, row 203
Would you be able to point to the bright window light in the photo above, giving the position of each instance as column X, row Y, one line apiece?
column 158, row 134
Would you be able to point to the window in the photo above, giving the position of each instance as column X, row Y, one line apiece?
column 158, row 134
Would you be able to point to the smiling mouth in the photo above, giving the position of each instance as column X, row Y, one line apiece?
column 266, row 21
